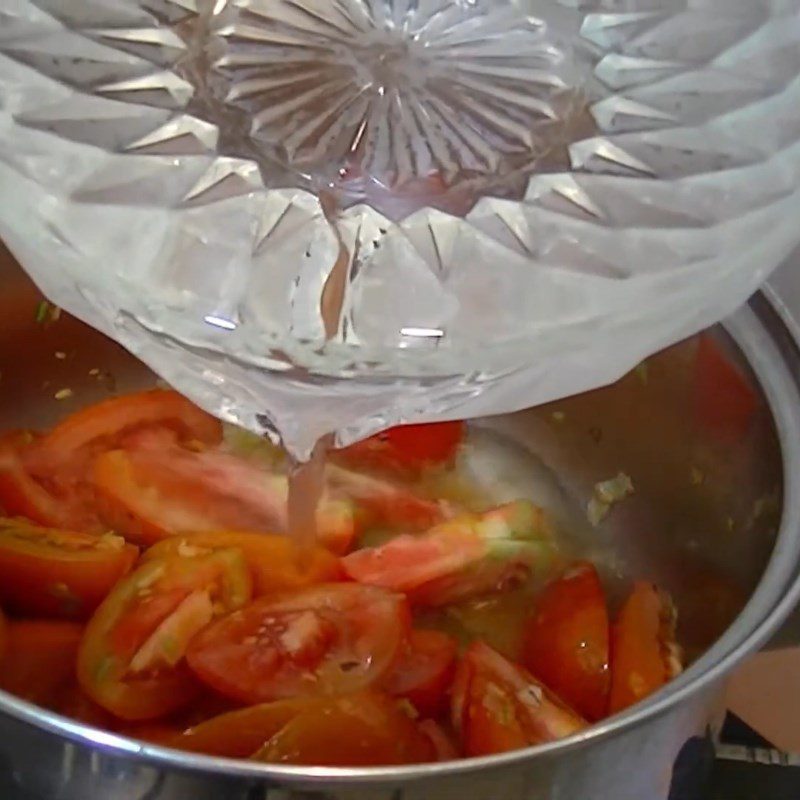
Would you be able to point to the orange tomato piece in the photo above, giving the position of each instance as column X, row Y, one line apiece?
column 101, row 425
column 240, row 733
column 644, row 653
column 53, row 573
column 566, row 640
column 366, row 729
column 276, row 563
column 148, row 494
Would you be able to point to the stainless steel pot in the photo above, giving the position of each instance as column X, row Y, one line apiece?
column 715, row 522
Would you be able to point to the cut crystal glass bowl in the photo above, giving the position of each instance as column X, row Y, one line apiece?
column 333, row 215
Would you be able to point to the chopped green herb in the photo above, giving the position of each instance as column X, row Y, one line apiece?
column 42, row 311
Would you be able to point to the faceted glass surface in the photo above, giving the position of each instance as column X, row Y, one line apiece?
column 316, row 215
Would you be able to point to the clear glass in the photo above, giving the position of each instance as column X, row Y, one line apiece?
column 334, row 215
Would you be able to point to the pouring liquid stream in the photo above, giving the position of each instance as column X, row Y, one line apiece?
column 307, row 479
column 306, row 485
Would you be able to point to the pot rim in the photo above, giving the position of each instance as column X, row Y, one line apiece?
column 765, row 336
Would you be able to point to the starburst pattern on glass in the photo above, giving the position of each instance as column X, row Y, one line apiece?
column 395, row 92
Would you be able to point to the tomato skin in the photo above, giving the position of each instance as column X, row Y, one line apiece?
column 644, row 653
column 424, row 671
column 566, row 640
column 276, row 563
column 131, row 659
column 39, row 663
column 328, row 639
column 406, row 450
column 725, row 401
column 52, row 573
column 499, row 706
column 360, row 730
column 100, row 426
column 149, row 494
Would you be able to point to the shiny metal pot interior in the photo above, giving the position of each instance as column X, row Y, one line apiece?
column 715, row 522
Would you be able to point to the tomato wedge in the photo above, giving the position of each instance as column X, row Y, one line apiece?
column 100, row 426
column 407, row 450
column 149, row 494
column 240, row 733
column 499, row 706
column 329, row 639
column 459, row 558
column 725, row 400
column 52, row 573
column 424, row 671
column 276, row 563
column 131, row 657
column 566, row 640
column 644, row 653
column 39, row 663
column 360, row 730
column 385, row 502
column 22, row 495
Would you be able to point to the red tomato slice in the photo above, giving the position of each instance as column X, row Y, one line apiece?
column 131, row 659
column 725, row 400
column 459, row 558
column 385, row 502
column 644, row 653
column 99, row 427
column 329, row 639
column 40, row 659
column 406, row 450
column 360, row 730
column 56, row 573
column 276, row 563
column 21, row 495
column 424, row 671
column 149, row 494
column 566, row 640
column 499, row 706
